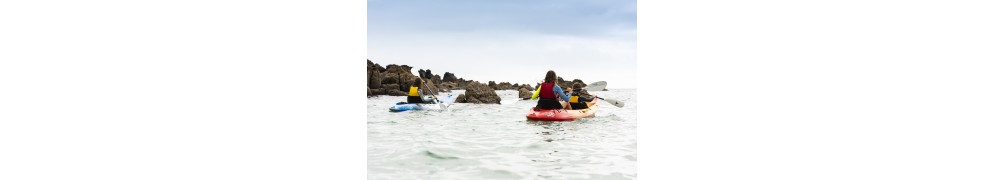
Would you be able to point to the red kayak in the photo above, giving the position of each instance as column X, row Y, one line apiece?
column 563, row 114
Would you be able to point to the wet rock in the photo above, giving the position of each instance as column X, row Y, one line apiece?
column 449, row 77
column 460, row 99
column 449, row 85
column 373, row 77
column 388, row 87
column 527, row 86
column 427, row 74
column 504, row 86
column 378, row 92
column 430, row 88
column 389, row 79
column 479, row 93
column 395, row 92
column 524, row 94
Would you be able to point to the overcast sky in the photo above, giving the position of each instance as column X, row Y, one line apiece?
column 507, row 40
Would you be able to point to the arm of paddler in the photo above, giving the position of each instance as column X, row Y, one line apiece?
column 536, row 92
column 558, row 90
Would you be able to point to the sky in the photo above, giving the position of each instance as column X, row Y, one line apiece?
column 515, row 41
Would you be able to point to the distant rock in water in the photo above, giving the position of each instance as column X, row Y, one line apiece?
column 448, row 77
column 479, row 93
column 524, row 93
column 504, row 86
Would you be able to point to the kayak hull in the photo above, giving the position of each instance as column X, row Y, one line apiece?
column 562, row 114
column 400, row 107
column 403, row 106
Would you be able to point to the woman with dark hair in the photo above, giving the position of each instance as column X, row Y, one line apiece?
column 414, row 92
column 549, row 92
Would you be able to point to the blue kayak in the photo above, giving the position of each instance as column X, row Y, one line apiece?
column 403, row 106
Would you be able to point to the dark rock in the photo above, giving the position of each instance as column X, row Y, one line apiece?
column 368, row 93
column 436, row 79
column 388, row 87
column 443, row 88
column 448, row 77
column 460, row 99
column 378, row 92
column 504, row 86
column 427, row 74
column 373, row 77
column 395, row 92
column 479, row 93
column 430, row 88
column 525, row 94
column 390, row 79
column 527, row 86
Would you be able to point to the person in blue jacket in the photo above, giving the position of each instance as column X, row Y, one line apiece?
column 549, row 93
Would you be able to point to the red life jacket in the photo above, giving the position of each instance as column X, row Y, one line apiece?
column 546, row 91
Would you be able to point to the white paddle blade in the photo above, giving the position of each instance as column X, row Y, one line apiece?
column 597, row 86
column 615, row 102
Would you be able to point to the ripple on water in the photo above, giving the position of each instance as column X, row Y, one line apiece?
column 476, row 141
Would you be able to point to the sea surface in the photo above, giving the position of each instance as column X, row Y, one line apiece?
column 492, row 141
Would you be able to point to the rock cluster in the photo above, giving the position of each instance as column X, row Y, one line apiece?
column 394, row 80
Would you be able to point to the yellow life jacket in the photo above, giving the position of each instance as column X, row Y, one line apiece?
column 413, row 91
column 574, row 99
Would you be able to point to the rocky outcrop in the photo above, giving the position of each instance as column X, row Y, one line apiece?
column 525, row 93
column 391, row 80
column 504, row 86
column 479, row 93
column 372, row 75
column 448, row 77
column 425, row 74
column 395, row 80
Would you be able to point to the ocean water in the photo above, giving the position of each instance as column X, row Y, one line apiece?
column 481, row 141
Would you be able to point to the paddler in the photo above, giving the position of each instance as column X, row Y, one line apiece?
column 579, row 97
column 415, row 92
column 549, row 92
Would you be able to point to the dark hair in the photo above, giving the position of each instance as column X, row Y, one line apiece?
column 577, row 85
column 550, row 77
column 418, row 82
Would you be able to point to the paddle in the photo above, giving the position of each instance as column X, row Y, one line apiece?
column 615, row 102
column 435, row 99
column 600, row 86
